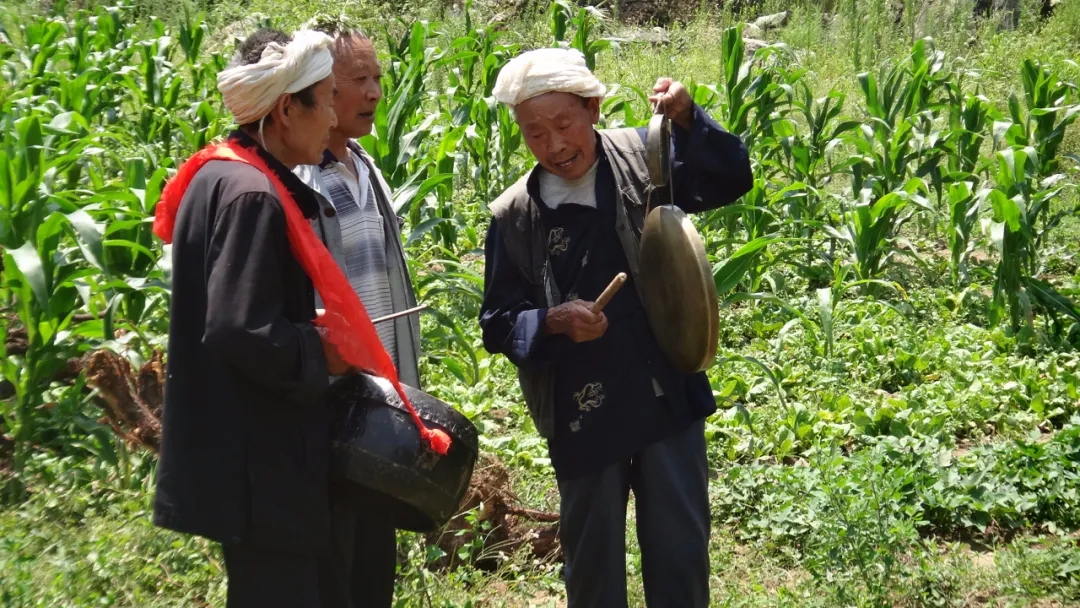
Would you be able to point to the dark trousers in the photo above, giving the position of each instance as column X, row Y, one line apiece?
column 259, row 578
column 359, row 572
column 365, row 554
column 670, row 484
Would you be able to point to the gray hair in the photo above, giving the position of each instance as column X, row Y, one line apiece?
column 339, row 28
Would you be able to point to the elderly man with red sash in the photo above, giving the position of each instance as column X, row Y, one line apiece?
column 245, row 442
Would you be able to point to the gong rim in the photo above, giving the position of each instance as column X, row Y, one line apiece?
column 658, row 150
column 678, row 290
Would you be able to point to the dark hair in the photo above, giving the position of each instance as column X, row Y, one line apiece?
column 250, row 51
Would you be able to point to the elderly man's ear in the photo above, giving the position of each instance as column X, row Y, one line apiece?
column 594, row 109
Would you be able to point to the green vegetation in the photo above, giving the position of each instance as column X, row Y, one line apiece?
column 898, row 376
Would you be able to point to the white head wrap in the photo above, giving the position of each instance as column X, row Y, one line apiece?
column 546, row 71
column 250, row 91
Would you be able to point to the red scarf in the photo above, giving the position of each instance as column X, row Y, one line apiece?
column 350, row 328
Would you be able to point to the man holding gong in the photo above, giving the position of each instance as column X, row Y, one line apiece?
column 617, row 415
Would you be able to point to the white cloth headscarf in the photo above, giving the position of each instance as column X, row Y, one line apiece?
column 546, row 71
column 250, row 91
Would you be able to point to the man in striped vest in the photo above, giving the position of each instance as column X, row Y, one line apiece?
column 359, row 226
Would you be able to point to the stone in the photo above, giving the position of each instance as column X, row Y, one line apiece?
column 751, row 30
column 657, row 36
column 751, row 45
column 772, row 22
column 226, row 38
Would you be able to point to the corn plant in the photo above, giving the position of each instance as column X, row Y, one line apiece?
column 1018, row 203
column 872, row 223
column 587, row 21
column 806, row 161
column 969, row 119
column 491, row 136
column 1016, row 176
column 399, row 125
column 1051, row 107
column 964, row 208
column 39, row 273
column 828, row 308
column 1012, row 238
column 753, row 101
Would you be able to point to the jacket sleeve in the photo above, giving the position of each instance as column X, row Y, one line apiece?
column 245, row 324
column 710, row 167
column 512, row 324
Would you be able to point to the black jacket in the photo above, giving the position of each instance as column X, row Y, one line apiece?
column 245, row 438
column 710, row 168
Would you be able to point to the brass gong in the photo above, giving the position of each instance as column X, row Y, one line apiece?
column 676, row 279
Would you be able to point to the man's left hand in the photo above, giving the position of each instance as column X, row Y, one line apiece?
column 674, row 100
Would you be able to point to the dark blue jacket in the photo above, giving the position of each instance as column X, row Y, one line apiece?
column 606, row 407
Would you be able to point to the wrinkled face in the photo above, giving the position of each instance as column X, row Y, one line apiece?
column 359, row 82
column 558, row 128
column 306, row 129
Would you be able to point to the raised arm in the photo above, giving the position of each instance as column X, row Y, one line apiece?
column 710, row 167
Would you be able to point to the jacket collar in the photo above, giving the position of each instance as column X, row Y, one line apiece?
column 303, row 195
column 328, row 157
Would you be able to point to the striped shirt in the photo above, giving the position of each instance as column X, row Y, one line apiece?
column 363, row 237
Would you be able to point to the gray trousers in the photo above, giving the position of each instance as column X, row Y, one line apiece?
column 670, row 484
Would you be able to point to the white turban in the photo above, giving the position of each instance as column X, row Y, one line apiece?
column 250, row 91
column 546, row 71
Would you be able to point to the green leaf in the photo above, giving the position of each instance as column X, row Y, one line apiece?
column 1051, row 299
column 727, row 275
column 825, row 312
column 129, row 245
column 1005, row 210
column 424, row 227
column 28, row 262
column 412, row 191
column 90, row 237
column 765, row 368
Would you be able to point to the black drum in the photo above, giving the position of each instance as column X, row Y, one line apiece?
column 379, row 462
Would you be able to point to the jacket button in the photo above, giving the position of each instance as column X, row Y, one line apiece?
column 330, row 212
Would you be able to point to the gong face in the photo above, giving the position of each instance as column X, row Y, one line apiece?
column 678, row 290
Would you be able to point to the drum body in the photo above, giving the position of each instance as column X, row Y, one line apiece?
column 678, row 289
column 379, row 462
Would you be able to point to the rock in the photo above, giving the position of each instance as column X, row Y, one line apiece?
column 751, row 45
column 752, row 31
column 772, row 22
column 657, row 36
column 227, row 38
column 1009, row 10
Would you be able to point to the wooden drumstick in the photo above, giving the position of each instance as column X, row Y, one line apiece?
column 612, row 288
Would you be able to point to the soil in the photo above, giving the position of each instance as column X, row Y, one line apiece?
column 491, row 514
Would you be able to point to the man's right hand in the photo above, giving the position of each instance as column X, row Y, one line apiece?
column 577, row 320
column 334, row 363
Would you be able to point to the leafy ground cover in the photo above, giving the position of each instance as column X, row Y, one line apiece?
column 898, row 371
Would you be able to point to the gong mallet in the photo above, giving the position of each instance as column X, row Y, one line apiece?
column 612, row 288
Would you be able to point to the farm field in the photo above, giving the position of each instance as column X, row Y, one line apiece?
column 899, row 365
